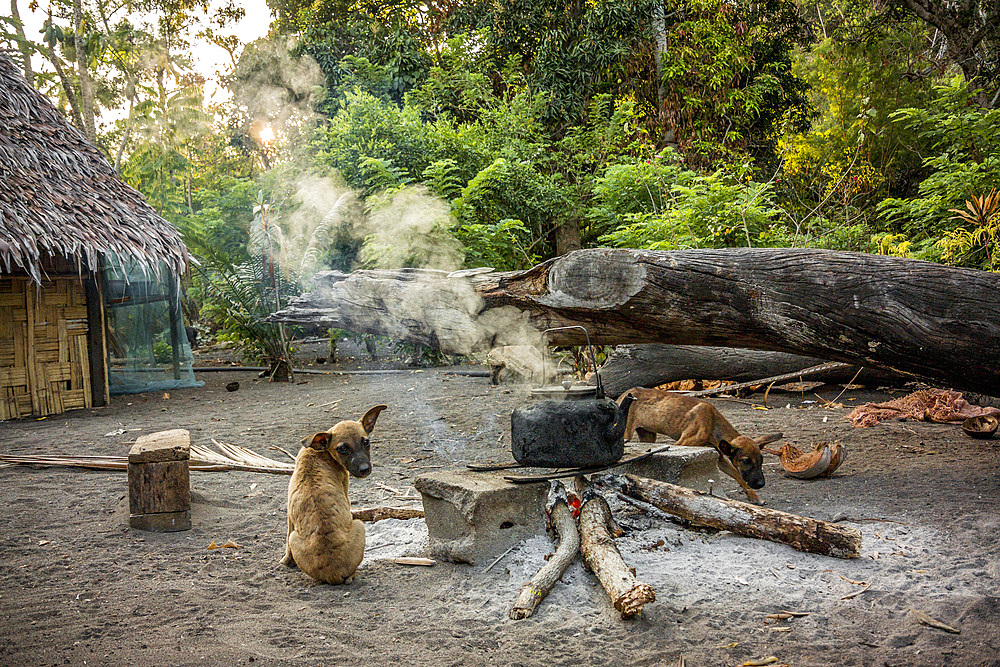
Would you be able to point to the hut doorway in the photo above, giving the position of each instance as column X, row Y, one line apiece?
column 46, row 347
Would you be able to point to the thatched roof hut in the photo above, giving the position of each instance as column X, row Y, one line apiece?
column 60, row 197
column 86, row 267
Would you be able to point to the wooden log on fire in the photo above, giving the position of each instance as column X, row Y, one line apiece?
column 799, row 532
column 561, row 518
column 654, row 364
column 910, row 317
column 603, row 558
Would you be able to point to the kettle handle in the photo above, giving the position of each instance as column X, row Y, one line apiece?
column 590, row 348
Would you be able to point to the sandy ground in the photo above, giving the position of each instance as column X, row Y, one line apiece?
column 79, row 587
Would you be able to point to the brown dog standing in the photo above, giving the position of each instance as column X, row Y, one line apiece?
column 323, row 539
column 695, row 423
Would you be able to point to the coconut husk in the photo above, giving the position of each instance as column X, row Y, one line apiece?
column 931, row 405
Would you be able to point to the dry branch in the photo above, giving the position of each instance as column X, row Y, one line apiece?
column 533, row 592
column 373, row 514
column 603, row 558
column 799, row 532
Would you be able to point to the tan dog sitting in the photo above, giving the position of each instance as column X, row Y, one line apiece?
column 695, row 423
column 323, row 540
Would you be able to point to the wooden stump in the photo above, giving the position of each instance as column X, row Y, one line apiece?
column 159, row 487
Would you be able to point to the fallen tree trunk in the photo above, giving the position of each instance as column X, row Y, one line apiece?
column 906, row 316
column 652, row 365
column 799, row 532
column 603, row 558
column 561, row 518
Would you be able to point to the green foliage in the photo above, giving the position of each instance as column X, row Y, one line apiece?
column 727, row 76
column 673, row 208
column 512, row 190
column 373, row 144
column 963, row 159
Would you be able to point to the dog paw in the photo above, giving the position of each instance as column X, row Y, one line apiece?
column 349, row 580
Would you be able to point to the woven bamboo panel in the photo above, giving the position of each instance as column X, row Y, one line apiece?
column 44, row 365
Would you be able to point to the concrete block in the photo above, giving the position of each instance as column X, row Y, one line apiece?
column 475, row 516
column 687, row 466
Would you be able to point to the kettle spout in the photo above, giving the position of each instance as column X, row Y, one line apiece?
column 617, row 430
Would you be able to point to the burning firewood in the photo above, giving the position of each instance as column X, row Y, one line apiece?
column 561, row 517
column 799, row 532
column 604, row 560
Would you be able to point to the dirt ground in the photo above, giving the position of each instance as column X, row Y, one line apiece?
column 79, row 587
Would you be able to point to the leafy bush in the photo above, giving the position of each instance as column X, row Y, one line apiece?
column 667, row 207
column 965, row 140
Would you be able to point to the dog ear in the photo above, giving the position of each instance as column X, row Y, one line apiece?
column 727, row 449
column 319, row 441
column 368, row 421
column 768, row 439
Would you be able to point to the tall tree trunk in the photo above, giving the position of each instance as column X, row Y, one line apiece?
column 67, row 86
column 87, row 110
column 568, row 237
column 22, row 43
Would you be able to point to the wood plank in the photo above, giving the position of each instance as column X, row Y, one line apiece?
column 95, row 368
column 34, row 382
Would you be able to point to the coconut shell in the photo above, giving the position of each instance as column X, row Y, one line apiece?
column 805, row 465
column 980, row 427
column 837, row 455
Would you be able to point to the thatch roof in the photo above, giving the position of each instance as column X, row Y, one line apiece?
column 59, row 196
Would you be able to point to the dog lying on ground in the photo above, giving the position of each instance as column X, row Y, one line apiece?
column 695, row 423
column 323, row 539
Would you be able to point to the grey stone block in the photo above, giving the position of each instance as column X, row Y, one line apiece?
column 472, row 517
column 688, row 466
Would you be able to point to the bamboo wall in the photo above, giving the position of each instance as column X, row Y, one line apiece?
column 44, row 360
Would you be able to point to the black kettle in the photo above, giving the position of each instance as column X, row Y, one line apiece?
column 580, row 432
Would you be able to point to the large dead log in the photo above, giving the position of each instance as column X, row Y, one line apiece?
column 799, row 532
column 652, row 365
column 603, row 558
column 563, row 523
column 910, row 317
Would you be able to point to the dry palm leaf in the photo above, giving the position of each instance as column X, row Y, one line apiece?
column 804, row 465
column 229, row 457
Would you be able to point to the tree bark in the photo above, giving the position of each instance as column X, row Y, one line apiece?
column 22, row 43
column 800, row 533
column 87, row 109
column 602, row 557
column 910, row 317
column 561, row 518
column 652, row 365
column 568, row 236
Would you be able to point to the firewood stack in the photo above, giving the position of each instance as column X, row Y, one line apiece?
column 593, row 535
